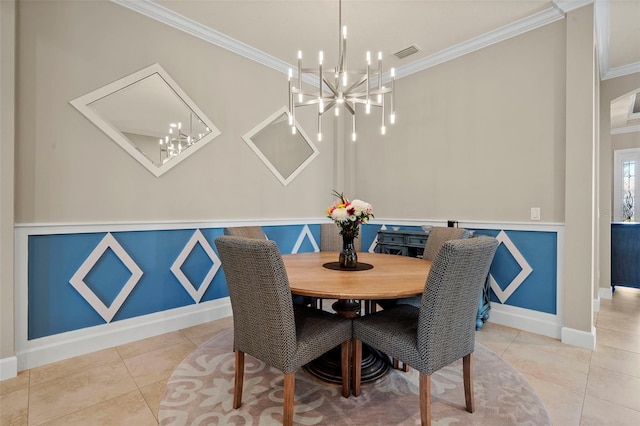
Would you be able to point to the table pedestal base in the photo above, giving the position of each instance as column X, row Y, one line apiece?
column 375, row 364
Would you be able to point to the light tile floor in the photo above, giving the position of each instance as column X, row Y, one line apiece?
column 123, row 385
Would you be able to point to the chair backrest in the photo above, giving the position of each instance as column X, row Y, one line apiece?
column 438, row 236
column 331, row 240
column 263, row 319
column 449, row 306
column 255, row 232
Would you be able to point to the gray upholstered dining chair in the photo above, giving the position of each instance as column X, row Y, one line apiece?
column 257, row 233
column 270, row 328
column 437, row 237
column 246, row 232
column 331, row 240
column 442, row 330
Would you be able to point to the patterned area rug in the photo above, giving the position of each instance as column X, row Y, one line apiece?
column 200, row 392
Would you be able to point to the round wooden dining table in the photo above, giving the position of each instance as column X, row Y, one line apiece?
column 378, row 276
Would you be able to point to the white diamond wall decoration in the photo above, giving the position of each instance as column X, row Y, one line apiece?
column 196, row 293
column 525, row 270
column 77, row 280
column 306, row 232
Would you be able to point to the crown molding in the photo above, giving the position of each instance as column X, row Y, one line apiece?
column 627, row 129
column 555, row 13
column 602, row 19
column 506, row 32
column 169, row 17
column 569, row 5
column 620, row 71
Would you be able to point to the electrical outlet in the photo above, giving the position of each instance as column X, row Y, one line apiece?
column 535, row 213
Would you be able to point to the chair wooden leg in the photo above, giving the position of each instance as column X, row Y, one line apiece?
column 289, row 389
column 345, row 350
column 467, row 374
column 239, row 378
column 396, row 365
column 357, row 366
column 425, row 399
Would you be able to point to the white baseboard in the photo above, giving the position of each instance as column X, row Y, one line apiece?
column 525, row 319
column 79, row 342
column 579, row 338
column 596, row 304
column 605, row 293
column 8, row 367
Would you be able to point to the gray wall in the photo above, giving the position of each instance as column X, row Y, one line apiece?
column 69, row 171
column 477, row 138
column 7, row 134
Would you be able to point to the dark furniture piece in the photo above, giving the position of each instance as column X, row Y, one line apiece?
column 625, row 255
column 267, row 326
column 404, row 243
column 442, row 330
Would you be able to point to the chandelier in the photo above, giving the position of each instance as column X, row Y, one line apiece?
column 341, row 88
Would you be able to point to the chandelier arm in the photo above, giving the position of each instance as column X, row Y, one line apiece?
column 349, row 108
column 331, row 87
column 355, row 85
column 327, row 108
column 371, row 92
column 340, row 52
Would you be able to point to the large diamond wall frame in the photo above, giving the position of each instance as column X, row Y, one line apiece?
column 150, row 117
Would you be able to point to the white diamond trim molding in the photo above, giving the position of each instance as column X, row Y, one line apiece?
column 306, row 232
column 525, row 270
column 196, row 294
column 77, row 281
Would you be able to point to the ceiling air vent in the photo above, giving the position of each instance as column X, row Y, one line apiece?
column 401, row 54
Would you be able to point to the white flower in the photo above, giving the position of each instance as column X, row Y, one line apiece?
column 362, row 208
column 340, row 215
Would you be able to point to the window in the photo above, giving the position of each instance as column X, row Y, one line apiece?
column 625, row 193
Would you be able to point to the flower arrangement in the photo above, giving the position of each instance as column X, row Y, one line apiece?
column 348, row 215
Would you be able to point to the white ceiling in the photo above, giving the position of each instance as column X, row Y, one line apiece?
column 272, row 31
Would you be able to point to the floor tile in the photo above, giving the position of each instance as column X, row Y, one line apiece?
column 128, row 409
column 615, row 387
column 150, row 344
column 203, row 332
column 21, row 381
column 151, row 367
column 496, row 337
column 624, row 362
column 597, row 412
column 14, row 408
column 550, row 360
column 73, row 365
column 564, row 407
column 153, row 395
column 620, row 321
column 618, row 340
column 65, row 395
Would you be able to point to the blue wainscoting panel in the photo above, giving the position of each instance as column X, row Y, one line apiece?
column 84, row 279
column 524, row 269
column 294, row 238
column 56, row 306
